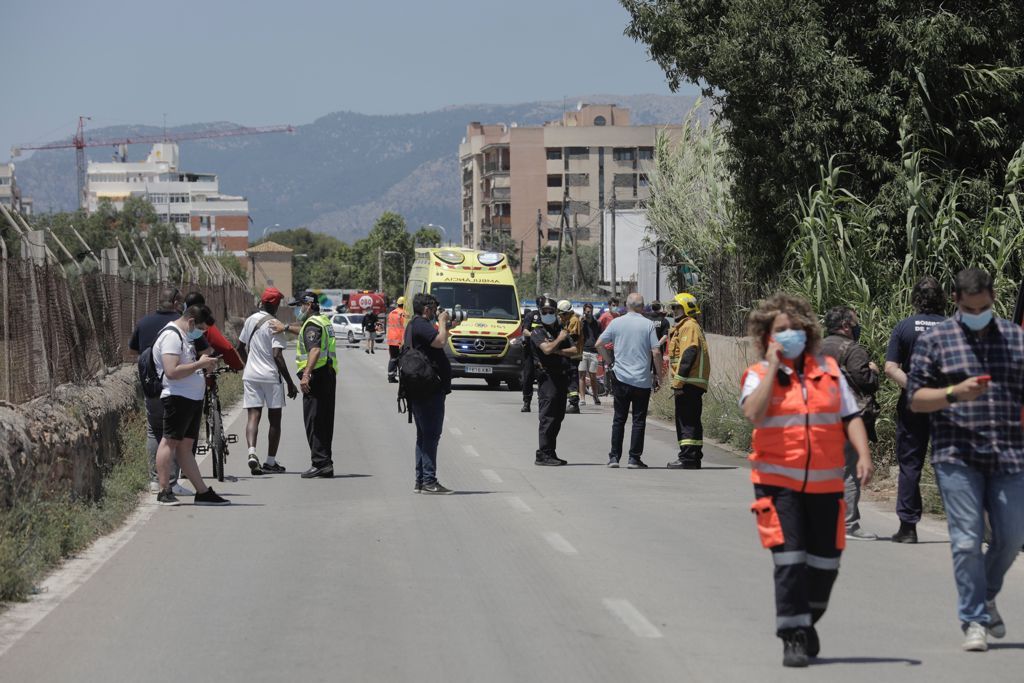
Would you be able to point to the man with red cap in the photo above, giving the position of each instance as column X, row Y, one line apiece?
column 262, row 379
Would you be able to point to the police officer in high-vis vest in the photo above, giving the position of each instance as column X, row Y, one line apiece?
column 317, row 363
column 690, row 367
column 803, row 413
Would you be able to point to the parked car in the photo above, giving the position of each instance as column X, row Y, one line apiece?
column 348, row 328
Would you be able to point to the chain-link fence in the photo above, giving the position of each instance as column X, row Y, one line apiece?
column 63, row 324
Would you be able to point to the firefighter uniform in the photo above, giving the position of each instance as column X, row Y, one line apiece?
column 797, row 471
column 318, row 403
column 690, row 365
column 571, row 322
column 396, row 333
column 552, row 389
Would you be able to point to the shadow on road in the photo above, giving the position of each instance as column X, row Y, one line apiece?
column 866, row 660
column 1006, row 646
column 466, row 493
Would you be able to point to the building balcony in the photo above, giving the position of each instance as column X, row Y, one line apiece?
column 495, row 169
column 496, row 223
column 499, row 194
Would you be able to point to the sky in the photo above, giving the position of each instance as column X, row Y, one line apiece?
column 260, row 62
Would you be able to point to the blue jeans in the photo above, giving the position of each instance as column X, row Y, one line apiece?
column 428, row 413
column 967, row 495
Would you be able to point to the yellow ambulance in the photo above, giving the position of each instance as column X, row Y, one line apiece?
column 486, row 345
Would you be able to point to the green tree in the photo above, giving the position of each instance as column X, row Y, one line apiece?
column 309, row 248
column 388, row 234
column 427, row 237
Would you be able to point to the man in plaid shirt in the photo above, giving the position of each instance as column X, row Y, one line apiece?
column 968, row 372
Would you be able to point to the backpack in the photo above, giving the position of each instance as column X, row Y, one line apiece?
column 417, row 376
column 153, row 382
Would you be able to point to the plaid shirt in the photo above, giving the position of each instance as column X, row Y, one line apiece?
column 985, row 433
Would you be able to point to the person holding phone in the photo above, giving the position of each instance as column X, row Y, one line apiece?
column 968, row 373
column 803, row 413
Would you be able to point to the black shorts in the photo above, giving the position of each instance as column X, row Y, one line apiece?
column 181, row 417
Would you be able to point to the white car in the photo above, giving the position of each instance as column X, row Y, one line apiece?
column 348, row 328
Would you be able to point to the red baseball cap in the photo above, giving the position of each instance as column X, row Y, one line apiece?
column 271, row 295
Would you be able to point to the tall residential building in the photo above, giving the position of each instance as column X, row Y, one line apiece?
column 192, row 202
column 581, row 162
column 10, row 193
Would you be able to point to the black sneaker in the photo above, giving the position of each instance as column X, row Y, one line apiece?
column 684, row 465
column 418, row 487
column 366, row 350
column 254, row 466
column 167, row 497
column 326, row 472
column 549, row 462
column 597, row 401
column 273, row 467
column 210, row 497
column 906, row 534
column 613, row 462
column 636, row 464
column 436, row 489
column 525, row 408
column 573, row 409
column 794, row 649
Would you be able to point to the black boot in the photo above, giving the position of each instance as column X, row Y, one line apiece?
column 813, row 643
column 526, row 406
column 573, row 408
column 794, row 648
column 906, row 534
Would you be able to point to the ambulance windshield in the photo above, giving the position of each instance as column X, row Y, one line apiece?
column 479, row 301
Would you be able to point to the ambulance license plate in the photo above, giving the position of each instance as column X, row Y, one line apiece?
column 479, row 369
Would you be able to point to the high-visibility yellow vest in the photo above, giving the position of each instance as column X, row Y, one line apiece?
column 328, row 348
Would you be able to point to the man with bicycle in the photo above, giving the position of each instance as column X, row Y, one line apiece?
column 263, row 353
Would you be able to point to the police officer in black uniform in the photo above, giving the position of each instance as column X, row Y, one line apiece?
column 552, row 350
column 529, row 374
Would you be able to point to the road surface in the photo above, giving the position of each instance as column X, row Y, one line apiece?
column 579, row 573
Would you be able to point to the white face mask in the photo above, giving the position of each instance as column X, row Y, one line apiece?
column 548, row 318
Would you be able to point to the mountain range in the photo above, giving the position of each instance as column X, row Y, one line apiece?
column 338, row 173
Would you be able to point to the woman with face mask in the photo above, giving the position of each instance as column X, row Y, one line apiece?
column 803, row 414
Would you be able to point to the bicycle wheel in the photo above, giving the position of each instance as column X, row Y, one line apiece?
column 217, row 444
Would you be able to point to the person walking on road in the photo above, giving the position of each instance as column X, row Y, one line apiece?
column 146, row 331
column 263, row 380
column 803, row 412
column 911, row 428
column 428, row 410
column 690, row 365
column 968, row 373
column 396, row 333
column 552, row 349
column 175, row 359
column 590, row 330
column 570, row 322
column 636, row 369
column 316, row 360
column 531, row 321
column 370, row 320
column 861, row 373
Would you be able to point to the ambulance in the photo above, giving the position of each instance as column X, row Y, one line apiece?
column 479, row 286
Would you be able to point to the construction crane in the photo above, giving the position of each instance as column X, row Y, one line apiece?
column 79, row 142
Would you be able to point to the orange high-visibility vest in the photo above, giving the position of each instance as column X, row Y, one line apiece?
column 799, row 444
column 396, row 327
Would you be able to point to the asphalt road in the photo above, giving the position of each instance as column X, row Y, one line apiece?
column 578, row 573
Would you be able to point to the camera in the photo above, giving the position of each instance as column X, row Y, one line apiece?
column 456, row 316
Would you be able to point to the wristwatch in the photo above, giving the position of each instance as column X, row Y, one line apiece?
column 950, row 396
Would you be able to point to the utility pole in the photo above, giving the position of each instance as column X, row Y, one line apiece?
column 563, row 223
column 575, row 252
column 380, row 269
column 611, row 256
column 538, row 253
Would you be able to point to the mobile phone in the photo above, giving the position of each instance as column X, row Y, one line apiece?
column 984, row 379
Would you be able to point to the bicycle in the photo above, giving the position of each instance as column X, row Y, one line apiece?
column 216, row 441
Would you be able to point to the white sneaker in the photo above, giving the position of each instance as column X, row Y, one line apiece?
column 975, row 638
column 154, row 487
column 996, row 627
column 180, row 490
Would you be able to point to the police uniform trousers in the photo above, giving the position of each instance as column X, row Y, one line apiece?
column 689, row 428
column 552, row 391
column 912, row 432
column 807, row 562
column 529, row 373
column 318, row 415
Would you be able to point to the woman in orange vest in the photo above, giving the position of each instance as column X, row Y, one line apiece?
column 803, row 412
column 396, row 334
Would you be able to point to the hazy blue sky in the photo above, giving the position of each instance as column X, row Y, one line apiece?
column 261, row 62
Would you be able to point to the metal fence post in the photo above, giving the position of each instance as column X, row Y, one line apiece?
column 5, row 320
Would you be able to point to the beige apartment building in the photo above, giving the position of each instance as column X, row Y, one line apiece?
column 581, row 163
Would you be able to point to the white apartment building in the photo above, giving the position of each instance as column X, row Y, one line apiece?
column 10, row 193
column 192, row 202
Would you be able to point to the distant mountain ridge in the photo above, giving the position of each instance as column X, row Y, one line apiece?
column 338, row 173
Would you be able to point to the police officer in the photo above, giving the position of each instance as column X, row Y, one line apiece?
column 317, row 363
column 570, row 322
column 552, row 349
column 529, row 375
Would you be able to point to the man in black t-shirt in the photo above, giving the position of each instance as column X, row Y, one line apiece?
column 428, row 411
column 911, row 428
column 552, row 348
column 370, row 320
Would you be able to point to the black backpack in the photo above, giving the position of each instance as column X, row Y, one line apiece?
column 153, row 382
column 417, row 376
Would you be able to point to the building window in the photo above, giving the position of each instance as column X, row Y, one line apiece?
column 624, row 180
column 554, row 208
column 645, row 153
column 623, row 154
column 179, row 198
column 577, row 179
column 554, row 153
column 554, row 180
column 179, row 218
column 600, row 121
column 157, row 199
column 579, row 207
column 579, row 152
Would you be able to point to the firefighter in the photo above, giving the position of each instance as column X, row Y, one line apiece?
column 529, row 373
column 803, row 412
column 570, row 322
column 551, row 349
column 690, row 365
column 396, row 333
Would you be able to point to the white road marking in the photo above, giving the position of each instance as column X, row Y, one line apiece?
column 491, row 476
column 558, row 542
column 455, row 431
column 632, row 618
column 470, row 451
column 519, row 504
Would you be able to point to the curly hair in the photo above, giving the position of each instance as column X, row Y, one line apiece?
column 759, row 324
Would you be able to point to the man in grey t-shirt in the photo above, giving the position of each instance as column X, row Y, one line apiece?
column 634, row 366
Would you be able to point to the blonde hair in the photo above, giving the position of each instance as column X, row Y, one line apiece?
column 801, row 315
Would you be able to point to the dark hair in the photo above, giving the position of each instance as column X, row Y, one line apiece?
column 194, row 299
column 200, row 313
column 421, row 301
column 837, row 317
column 588, row 305
column 928, row 297
column 168, row 295
column 613, row 301
column 655, row 306
column 972, row 281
